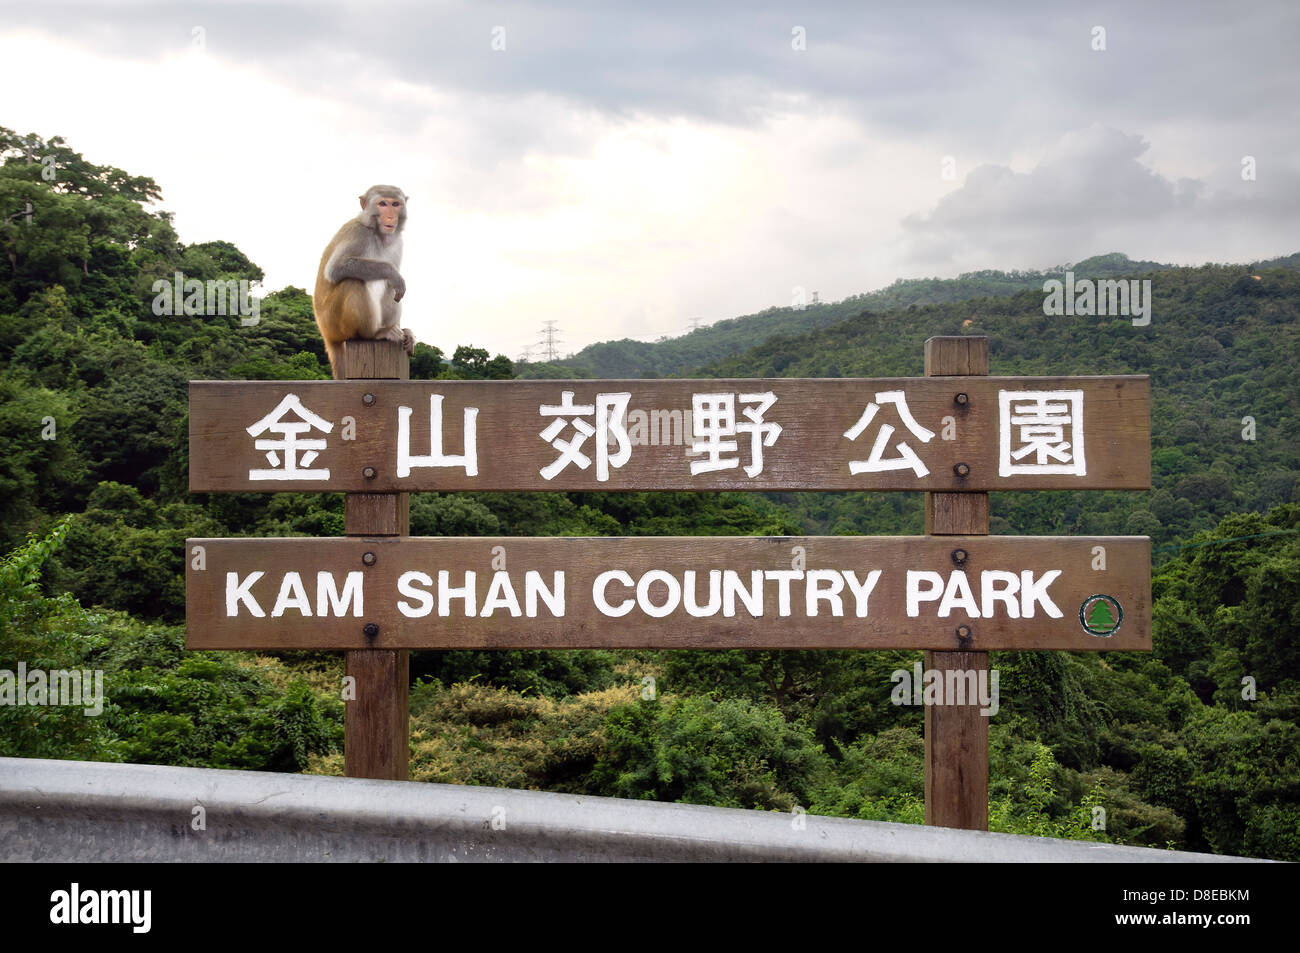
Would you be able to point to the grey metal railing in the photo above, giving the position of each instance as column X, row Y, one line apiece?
column 90, row 811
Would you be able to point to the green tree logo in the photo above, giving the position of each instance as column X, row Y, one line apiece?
column 1100, row 615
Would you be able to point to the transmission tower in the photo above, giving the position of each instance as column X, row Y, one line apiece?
column 550, row 338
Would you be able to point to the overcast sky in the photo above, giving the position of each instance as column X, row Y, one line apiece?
column 623, row 169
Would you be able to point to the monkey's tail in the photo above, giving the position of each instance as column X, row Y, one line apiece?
column 334, row 350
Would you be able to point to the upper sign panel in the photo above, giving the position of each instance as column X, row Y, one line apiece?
column 922, row 433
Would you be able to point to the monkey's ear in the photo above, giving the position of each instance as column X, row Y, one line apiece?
column 362, row 199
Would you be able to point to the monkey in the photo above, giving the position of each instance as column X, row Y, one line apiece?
column 358, row 269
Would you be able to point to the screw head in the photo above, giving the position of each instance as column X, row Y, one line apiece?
column 961, row 400
column 962, row 469
column 369, row 559
column 368, row 400
column 964, row 633
column 959, row 556
column 370, row 630
column 369, row 473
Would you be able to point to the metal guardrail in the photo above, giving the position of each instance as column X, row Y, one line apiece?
column 90, row 811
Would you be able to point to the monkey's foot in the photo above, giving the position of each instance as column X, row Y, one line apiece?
column 408, row 341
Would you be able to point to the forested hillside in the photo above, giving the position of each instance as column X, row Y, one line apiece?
column 1223, row 346
column 731, row 336
column 1173, row 744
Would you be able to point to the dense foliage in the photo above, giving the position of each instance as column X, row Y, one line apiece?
column 1195, row 745
column 731, row 336
column 1223, row 346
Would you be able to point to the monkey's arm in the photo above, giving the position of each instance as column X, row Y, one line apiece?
column 363, row 269
column 369, row 269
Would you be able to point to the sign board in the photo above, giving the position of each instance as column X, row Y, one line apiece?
column 940, row 434
column 977, row 593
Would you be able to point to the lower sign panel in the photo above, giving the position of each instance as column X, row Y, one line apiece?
column 976, row 593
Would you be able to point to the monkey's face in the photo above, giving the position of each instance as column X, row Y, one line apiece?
column 388, row 214
column 383, row 209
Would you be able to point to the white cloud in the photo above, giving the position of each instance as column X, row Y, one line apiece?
column 622, row 171
column 1091, row 192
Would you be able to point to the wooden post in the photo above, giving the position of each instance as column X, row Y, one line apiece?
column 957, row 736
column 376, row 728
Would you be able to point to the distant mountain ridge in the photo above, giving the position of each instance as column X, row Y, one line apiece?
column 627, row 358
column 1223, row 354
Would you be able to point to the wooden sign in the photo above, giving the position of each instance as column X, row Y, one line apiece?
column 937, row 434
column 975, row 593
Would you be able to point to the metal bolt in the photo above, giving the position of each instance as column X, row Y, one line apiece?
column 961, row 400
column 368, row 559
column 369, row 473
column 963, row 633
column 370, row 630
column 368, row 400
column 962, row 469
column 959, row 556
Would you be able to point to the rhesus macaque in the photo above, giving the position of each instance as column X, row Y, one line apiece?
column 358, row 287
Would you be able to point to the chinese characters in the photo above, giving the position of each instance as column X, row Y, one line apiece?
column 715, row 420
column 1040, row 431
column 610, row 414
column 787, row 436
column 876, row 461
column 290, row 443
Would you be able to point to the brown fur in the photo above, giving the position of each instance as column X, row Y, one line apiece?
column 346, row 308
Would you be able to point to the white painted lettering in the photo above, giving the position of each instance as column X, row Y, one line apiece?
column 237, row 592
column 500, row 595
column 1031, row 592
column 643, row 593
column 406, row 584
column 958, row 595
column 990, row 596
column 328, row 599
column 292, row 596
column 447, row 592
column 535, row 587
column 598, row 593
column 915, row 595
column 813, row 592
column 783, row 578
column 715, row 593
column 861, row 590
column 751, row 597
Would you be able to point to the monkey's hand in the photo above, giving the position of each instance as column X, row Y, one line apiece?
column 408, row 341
column 398, row 284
